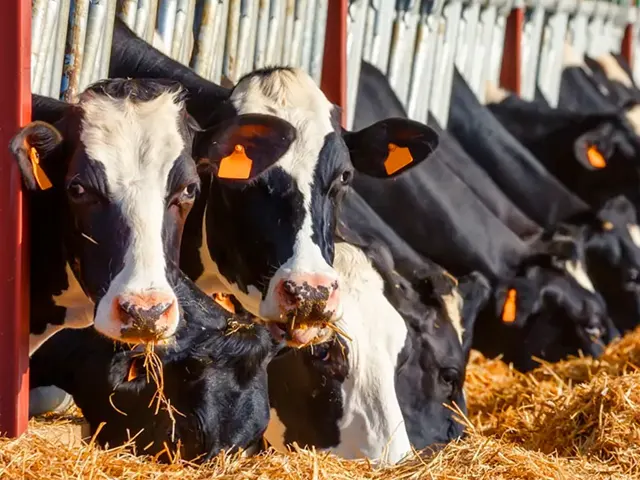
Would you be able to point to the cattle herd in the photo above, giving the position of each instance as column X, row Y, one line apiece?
column 305, row 283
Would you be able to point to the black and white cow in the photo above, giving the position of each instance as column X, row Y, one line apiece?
column 214, row 374
column 387, row 388
column 277, row 252
column 474, row 238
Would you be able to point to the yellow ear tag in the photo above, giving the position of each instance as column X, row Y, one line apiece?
column 41, row 178
column 398, row 157
column 224, row 301
column 236, row 166
column 607, row 226
column 509, row 309
column 595, row 158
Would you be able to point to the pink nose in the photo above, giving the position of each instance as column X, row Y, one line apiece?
column 146, row 316
column 308, row 292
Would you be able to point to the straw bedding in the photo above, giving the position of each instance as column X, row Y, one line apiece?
column 578, row 419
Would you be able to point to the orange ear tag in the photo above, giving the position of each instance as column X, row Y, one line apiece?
column 595, row 158
column 398, row 157
column 509, row 309
column 224, row 301
column 133, row 372
column 607, row 226
column 41, row 178
column 236, row 166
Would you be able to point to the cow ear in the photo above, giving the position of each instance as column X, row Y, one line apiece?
column 243, row 147
column 390, row 147
column 515, row 302
column 36, row 147
column 594, row 148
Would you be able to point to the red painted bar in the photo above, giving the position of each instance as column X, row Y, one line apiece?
column 15, row 101
column 334, row 65
column 510, row 72
column 626, row 49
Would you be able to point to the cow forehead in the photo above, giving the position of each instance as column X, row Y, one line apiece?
column 134, row 141
column 291, row 95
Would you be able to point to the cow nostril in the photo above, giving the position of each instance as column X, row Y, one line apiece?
column 135, row 312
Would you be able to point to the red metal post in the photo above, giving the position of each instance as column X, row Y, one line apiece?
column 512, row 54
column 334, row 64
column 15, row 111
column 626, row 49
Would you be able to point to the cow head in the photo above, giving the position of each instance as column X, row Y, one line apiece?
column 340, row 395
column 214, row 374
column 118, row 163
column 613, row 260
column 277, row 253
column 545, row 313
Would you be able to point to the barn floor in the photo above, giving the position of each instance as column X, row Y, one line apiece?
column 578, row 419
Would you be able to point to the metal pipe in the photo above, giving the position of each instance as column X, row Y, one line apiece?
column 287, row 32
column 229, row 60
column 44, row 87
column 203, row 49
column 127, row 10
column 300, row 16
column 319, row 39
column 105, row 45
column 58, row 51
column 244, row 35
column 39, row 12
column 307, row 40
column 95, row 31
column 74, row 49
column 151, row 23
column 247, row 65
column 221, row 25
column 260, row 55
column 167, row 22
column 275, row 23
column 46, row 46
column 356, row 15
column 179, row 30
column 142, row 18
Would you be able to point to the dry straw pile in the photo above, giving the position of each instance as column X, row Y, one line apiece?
column 578, row 419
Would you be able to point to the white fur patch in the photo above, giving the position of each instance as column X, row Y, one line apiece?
column 571, row 58
column 577, row 271
column 137, row 143
column 633, row 116
column 372, row 425
column 79, row 312
column 453, row 304
column 613, row 70
column 294, row 97
column 494, row 93
column 634, row 232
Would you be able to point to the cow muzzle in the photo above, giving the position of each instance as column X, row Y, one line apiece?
column 148, row 317
column 308, row 303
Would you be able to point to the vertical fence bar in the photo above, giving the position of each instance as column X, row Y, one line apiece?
column 15, row 97
column 510, row 73
column 334, row 67
column 74, row 50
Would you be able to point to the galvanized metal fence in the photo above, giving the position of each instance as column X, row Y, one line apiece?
column 417, row 43
column 220, row 39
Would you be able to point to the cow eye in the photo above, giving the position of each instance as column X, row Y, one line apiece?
column 346, row 177
column 190, row 191
column 76, row 190
column 449, row 376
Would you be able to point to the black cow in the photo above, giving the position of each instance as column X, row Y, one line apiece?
column 471, row 237
column 214, row 373
column 590, row 150
column 281, row 224
column 530, row 186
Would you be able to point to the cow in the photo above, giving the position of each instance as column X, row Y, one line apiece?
column 277, row 253
column 110, row 183
column 589, row 143
column 214, row 377
column 395, row 378
column 474, row 238
column 522, row 177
